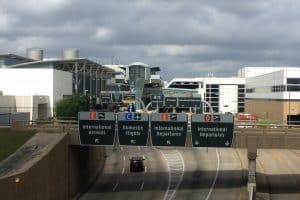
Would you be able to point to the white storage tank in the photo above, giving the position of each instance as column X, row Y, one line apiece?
column 70, row 53
column 35, row 53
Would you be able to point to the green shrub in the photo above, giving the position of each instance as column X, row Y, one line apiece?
column 71, row 105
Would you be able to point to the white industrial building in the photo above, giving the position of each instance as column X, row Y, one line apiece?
column 36, row 89
column 33, row 84
column 222, row 94
column 247, row 72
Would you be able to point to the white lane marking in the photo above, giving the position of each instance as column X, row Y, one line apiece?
column 169, row 184
column 123, row 170
column 145, row 169
column 115, row 186
column 171, row 158
column 142, row 186
column 124, row 158
column 122, row 149
column 216, row 176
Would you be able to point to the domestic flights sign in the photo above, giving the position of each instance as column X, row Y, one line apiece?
column 96, row 128
column 133, row 128
column 169, row 129
column 212, row 130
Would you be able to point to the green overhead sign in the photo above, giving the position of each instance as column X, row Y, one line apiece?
column 96, row 128
column 168, row 129
column 133, row 128
column 212, row 130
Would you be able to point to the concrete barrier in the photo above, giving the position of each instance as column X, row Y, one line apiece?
column 280, row 138
column 56, row 170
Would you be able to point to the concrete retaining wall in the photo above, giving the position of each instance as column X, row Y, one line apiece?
column 62, row 172
column 269, row 137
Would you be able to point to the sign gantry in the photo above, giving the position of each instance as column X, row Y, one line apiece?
column 166, row 129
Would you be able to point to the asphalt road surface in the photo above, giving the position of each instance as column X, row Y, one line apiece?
column 197, row 173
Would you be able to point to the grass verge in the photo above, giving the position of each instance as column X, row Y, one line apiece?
column 10, row 141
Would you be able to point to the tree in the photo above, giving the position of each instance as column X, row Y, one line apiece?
column 71, row 105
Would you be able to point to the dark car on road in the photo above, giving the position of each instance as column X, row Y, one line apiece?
column 137, row 164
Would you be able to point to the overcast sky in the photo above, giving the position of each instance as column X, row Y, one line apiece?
column 185, row 38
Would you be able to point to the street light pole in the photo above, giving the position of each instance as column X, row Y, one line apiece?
column 289, row 107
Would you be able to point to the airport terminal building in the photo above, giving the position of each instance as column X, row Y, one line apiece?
column 222, row 94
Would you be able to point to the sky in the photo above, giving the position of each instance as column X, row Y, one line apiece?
column 189, row 38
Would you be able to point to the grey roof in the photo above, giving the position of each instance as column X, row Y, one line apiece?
column 9, row 55
column 65, row 64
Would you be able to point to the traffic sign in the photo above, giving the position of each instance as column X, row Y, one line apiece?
column 171, row 131
column 96, row 128
column 128, row 98
column 105, row 97
column 216, row 131
column 171, row 102
column 134, row 131
column 128, row 116
column 187, row 102
column 157, row 101
column 207, row 117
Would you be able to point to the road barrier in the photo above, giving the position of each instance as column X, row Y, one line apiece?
column 57, row 171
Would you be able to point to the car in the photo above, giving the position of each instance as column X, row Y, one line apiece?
column 137, row 164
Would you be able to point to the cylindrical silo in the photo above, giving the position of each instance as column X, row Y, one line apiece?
column 70, row 53
column 35, row 53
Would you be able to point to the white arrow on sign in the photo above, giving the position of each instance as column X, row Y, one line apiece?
column 227, row 143
column 132, row 141
column 168, row 142
column 97, row 140
column 196, row 142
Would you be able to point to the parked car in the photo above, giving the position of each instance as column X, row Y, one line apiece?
column 137, row 164
column 246, row 117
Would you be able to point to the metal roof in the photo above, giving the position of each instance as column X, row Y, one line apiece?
column 9, row 55
column 66, row 64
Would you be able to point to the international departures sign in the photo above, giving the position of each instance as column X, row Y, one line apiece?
column 169, row 129
column 212, row 130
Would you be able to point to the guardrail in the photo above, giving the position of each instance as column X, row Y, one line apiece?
column 237, row 124
column 256, row 125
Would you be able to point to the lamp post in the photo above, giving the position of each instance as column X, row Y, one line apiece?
column 289, row 108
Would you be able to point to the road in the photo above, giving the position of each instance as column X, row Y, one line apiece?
column 281, row 169
column 197, row 173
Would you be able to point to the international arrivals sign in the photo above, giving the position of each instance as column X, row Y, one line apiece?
column 96, row 128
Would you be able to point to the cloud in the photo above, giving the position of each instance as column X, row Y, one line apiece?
column 103, row 33
column 189, row 38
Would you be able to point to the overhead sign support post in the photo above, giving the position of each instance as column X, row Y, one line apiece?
column 169, row 129
column 212, row 130
column 96, row 128
column 133, row 128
